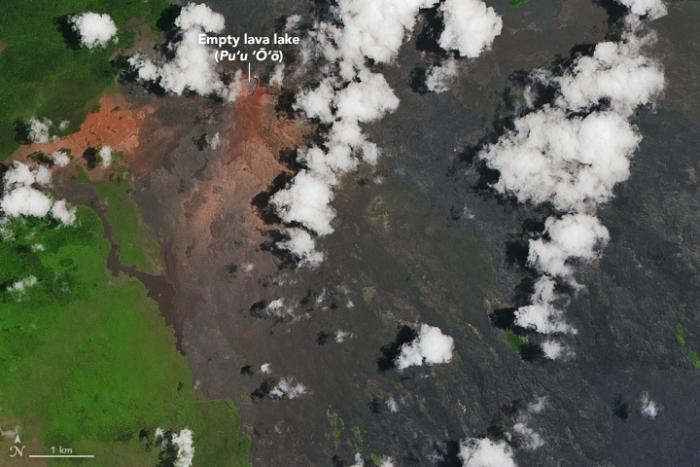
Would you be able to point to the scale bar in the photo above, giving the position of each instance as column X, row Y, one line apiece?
column 62, row 456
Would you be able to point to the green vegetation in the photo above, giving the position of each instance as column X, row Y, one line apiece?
column 45, row 73
column 517, row 3
column 337, row 425
column 357, row 437
column 136, row 244
column 689, row 351
column 87, row 361
column 516, row 341
column 375, row 458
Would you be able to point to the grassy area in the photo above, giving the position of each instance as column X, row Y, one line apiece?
column 687, row 349
column 86, row 359
column 517, row 3
column 516, row 341
column 136, row 244
column 337, row 425
column 44, row 74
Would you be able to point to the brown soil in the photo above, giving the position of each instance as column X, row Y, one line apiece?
column 115, row 124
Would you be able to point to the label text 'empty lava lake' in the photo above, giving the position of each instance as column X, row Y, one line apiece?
column 246, row 39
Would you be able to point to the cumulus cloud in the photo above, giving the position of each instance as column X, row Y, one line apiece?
column 20, row 196
column 370, row 29
column 302, row 246
column 543, row 315
column 359, row 461
column 341, row 336
column 288, row 388
column 348, row 95
column 185, row 448
column 573, row 236
column 649, row 408
column 25, row 201
column 94, row 29
column 60, row 158
column 438, row 78
column 555, row 350
column 105, row 156
column 483, row 452
column 20, row 286
column 387, row 462
column 618, row 71
column 430, row 347
column 538, row 405
column 38, row 130
column 278, row 309
column 192, row 66
column 277, row 76
column 571, row 153
column 470, row 27
column 653, row 8
column 530, row 438
column 181, row 441
column 307, row 201
column 573, row 163
column 62, row 212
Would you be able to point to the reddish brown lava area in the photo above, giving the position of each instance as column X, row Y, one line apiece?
column 114, row 124
column 248, row 164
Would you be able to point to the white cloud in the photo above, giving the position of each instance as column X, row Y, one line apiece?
column 292, row 22
column 302, row 246
column 359, row 462
column 392, row 405
column 341, row 336
column 348, row 95
column 42, row 176
column 181, row 441
column 185, row 448
column 387, row 462
column 654, row 8
column 574, row 163
column 542, row 315
column 307, row 201
column 649, row 408
column 21, row 198
column 62, row 212
column 105, row 156
column 60, row 158
column 288, row 388
column 470, row 27
column 370, row 29
column 482, row 452
column 573, row 236
column 20, row 174
column 20, row 286
column 265, row 368
column 25, row 201
column 277, row 309
column 538, row 406
column 277, row 76
column 38, row 130
column 438, row 78
column 193, row 66
column 95, row 29
column 572, row 153
column 616, row 70
column 215, row 141
column 530, row 438
column 555, row 350
column 430, row 347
